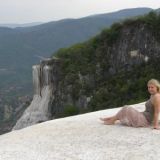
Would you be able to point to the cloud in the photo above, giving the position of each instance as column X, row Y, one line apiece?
column 24, row 11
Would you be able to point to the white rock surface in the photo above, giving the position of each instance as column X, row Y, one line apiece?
column 81, row 137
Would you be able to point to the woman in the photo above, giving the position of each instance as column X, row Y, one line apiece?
column 131, row 117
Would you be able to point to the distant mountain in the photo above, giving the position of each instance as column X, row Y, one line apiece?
column 14, row 25
column 125, row 13
column 22, row 47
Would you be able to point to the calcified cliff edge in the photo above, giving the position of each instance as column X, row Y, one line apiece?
column 81, row 137
column 39, row 109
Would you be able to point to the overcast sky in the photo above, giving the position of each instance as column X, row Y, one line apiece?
column 26, row 11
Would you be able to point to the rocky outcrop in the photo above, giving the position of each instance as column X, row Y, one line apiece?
column 135, row 45
column 44, row 81
column 81, row 137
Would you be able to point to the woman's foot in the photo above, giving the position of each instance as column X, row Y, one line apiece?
column 105, row 119
column 102, row 119
column 109, row 120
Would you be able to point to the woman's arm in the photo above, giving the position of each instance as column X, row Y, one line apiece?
column 156, row 104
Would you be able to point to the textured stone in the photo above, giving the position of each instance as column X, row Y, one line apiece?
column 81, row 137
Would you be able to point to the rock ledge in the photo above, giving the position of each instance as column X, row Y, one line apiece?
column 81, row 137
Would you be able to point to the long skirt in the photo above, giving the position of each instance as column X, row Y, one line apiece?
column 131, row 117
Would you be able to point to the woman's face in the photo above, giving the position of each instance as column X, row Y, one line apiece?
column 152, row 89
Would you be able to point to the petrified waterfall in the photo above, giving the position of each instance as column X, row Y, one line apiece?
column 39, row 109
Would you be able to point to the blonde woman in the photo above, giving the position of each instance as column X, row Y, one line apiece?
column 131, row 117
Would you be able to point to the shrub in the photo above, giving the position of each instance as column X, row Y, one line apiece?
column 70, row 110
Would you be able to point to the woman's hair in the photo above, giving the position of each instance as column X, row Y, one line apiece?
column 155, row 82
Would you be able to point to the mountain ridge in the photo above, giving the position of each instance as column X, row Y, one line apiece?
column 15, row 25
column 30, row 41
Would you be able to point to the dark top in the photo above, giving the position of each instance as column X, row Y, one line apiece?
column 149, row 111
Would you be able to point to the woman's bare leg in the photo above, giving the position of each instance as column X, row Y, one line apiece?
column 121, row 115
column 109, row 120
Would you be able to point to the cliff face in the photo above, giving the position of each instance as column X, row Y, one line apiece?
column 135, row 46
column 83, row 79
column 45, row 79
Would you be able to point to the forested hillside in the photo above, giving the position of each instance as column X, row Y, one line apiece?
column 111, row 69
